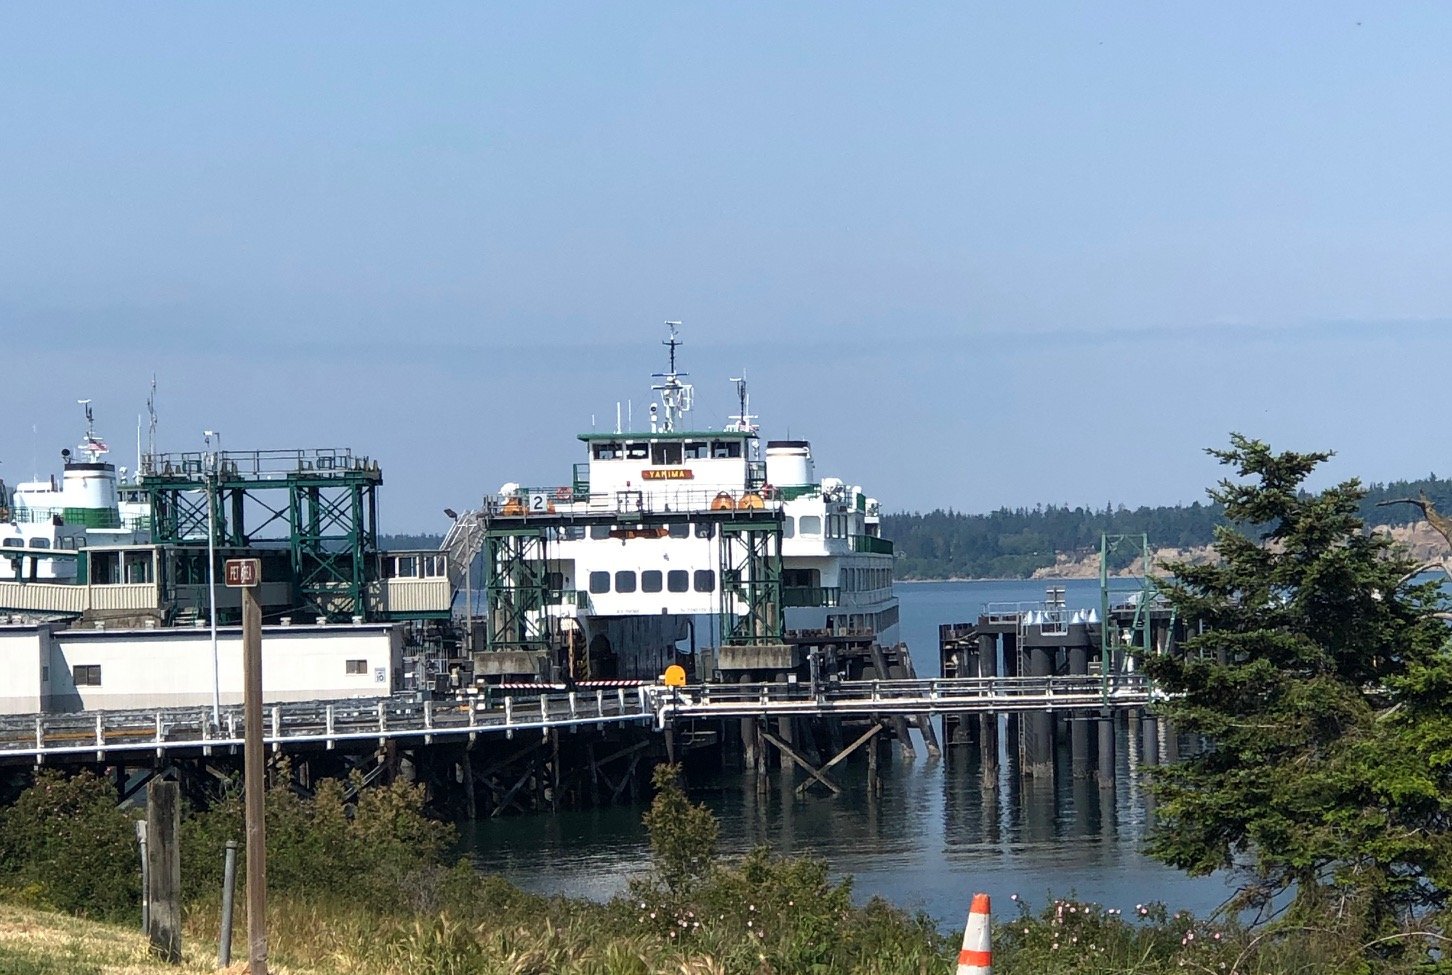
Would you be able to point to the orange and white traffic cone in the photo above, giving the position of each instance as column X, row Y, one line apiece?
column 976, row 958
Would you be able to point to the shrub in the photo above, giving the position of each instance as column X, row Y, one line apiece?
column 368, row 842
column 66, row 845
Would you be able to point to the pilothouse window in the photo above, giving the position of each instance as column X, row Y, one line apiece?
column 696, row 450
column 725, row 448
column 637, row 451
column 609, row 451
column 667, row 453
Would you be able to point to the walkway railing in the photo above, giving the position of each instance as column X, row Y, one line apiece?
column 179, row 732
column 962, row 695
column 102, row 736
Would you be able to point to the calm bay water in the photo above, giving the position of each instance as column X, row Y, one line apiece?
column 936, row 834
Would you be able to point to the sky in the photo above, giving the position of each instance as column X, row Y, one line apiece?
column 980, row 254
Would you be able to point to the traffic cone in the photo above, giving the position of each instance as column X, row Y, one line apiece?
column 976, row 958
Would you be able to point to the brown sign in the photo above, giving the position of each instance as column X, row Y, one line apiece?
column 244, row 573
column 669, row 474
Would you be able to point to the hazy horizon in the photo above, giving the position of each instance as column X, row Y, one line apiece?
column 980, row 256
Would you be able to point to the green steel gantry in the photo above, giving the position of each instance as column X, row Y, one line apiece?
column 1138, row 609
column 751, row 579
column 520, row 587
column 517, row 587
column 320, row 505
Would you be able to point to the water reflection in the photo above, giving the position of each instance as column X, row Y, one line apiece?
column 939, row 829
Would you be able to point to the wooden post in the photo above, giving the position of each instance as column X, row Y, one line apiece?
column 874, row 783
column 163, row 821
column 467, row 769
column 252, row 748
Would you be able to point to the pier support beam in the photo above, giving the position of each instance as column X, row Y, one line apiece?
column 1038, row 731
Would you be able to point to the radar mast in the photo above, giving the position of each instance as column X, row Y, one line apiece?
column 675, row 396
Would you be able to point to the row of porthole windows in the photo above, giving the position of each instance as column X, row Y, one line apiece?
column 653, row 580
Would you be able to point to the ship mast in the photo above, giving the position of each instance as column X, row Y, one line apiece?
column 93, row 446
column 675, row 396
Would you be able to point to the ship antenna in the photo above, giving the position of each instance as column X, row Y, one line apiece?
column 93, row 444
column 151, row 428
column 675, row 395
column 742, row 420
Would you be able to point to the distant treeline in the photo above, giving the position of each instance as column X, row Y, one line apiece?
column 1011, row 543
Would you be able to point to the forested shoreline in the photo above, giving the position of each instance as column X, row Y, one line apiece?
column 1011, row 543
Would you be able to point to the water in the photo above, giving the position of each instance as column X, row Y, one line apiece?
column 934, row 836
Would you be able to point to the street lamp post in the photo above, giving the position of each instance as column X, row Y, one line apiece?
column 208, row 436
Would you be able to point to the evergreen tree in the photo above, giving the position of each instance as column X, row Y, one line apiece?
column 1318, row 681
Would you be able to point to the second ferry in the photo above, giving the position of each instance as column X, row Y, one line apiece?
column 682, row 544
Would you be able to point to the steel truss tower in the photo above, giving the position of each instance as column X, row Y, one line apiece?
column 321, row 506
column 751, row 579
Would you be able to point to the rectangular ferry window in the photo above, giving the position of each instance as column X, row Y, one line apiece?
column 668, row 452
column 788, row 527
column 677, row 580
column 608, row 451
column 637, row 451
column 599, row 582
column 105, row 568
column 725, row 448
column 13, row 543
column 625, row 581
column 650, row 580
column 138, row 567
column 696, row 450
column 357, row 666
column 810, row 525
column 86, row 675
column 598, row 532
column 705, row 529
column 680, row 529
column 705, row 580
column 40, row 543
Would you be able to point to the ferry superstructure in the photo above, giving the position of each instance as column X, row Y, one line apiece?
column 608, row 575
column 43, row 523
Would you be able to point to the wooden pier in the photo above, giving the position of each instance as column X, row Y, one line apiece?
column 529, row 750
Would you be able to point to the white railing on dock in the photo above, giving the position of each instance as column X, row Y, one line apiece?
column 111, row 735
column 932, row 696
column 103, row 735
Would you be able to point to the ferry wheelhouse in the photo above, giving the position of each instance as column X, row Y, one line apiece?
column 666, row 531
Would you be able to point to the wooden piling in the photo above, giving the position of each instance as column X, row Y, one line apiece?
column 163, row 851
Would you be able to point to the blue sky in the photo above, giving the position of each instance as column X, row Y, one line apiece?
column 980, row 254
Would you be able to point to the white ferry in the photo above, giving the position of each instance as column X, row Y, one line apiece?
column 664, row 530
column 44, row 522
